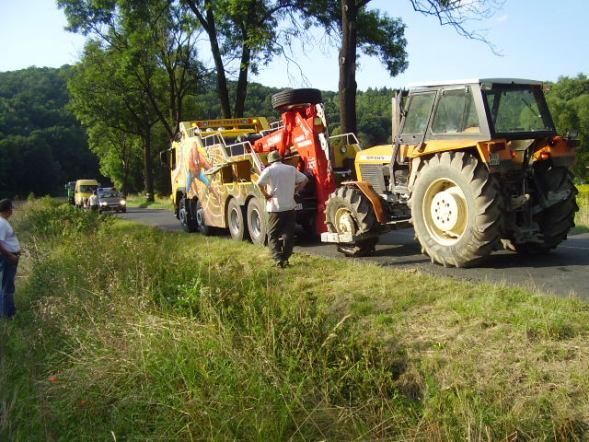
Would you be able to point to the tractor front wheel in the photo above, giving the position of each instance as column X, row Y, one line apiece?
column 455, row 207
column 349, row 211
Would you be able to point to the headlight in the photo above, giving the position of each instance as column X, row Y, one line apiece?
column 123, row 202
column 103, row 203
column 343, row 149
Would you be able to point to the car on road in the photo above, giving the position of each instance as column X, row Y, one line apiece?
column 110, row 199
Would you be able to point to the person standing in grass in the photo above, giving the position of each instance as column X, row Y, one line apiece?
column 279, row 182
column 9, row 256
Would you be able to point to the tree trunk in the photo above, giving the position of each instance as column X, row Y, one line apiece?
column 222, row 89
column 208, row 23
column 347, row 67
column 241, row 92
column 147, row 165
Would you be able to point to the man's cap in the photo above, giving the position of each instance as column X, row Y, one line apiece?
column 274, row 156
column 5, row 205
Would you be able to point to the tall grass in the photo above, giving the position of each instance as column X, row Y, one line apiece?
column 582, row 217
column 130, row 333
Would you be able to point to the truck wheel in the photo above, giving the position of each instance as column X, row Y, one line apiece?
column 555, row 221
column 184, row 215
column 201, row 226
column 236, row 220
column 256, row 221
column 290, row 97
column 455, row 207
column 349, row 211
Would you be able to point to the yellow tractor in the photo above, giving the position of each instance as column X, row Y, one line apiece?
column 474, row 166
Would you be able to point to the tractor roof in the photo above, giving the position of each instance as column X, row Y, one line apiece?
column 431, row 84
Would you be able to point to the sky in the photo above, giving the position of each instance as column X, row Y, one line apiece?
column 537, row 39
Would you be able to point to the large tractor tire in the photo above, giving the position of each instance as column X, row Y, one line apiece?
column 236, row 220
column 257, row 225
column 455, row 207
column 556, row 221
column 291, row 97
column 349, row 211
column 185, row 215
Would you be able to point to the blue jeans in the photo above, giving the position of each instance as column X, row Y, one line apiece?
column 8, row 271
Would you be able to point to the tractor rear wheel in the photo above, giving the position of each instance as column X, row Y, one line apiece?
column 291, row 97
column 349, row 211
column 455, row 207
column 554, row 221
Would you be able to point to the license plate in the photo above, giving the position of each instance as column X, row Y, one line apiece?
column 299, row 206
column 494, row 160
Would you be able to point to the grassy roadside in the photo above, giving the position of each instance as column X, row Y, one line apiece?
column 127, row 332
column 161, row 202
column 582, row 217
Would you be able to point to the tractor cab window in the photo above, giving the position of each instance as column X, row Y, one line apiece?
column 518, row 109
column 418, row 110
column 456, row 113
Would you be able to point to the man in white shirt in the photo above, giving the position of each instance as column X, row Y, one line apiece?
column 9, row 256
column 279, row 182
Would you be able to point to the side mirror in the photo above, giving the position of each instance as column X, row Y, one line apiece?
column 164, row 158
column 572, row 134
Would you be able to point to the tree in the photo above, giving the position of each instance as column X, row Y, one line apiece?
column 247, row 31
column 153, row 44
column 105, row 95
column 359, row 28
column 568, row 100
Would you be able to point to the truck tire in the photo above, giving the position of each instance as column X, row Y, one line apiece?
column 555, row 221
column 257, row 225
column 185, row 216
column 349, row 211
column 456, row 209
column 291, row 97
column 236, row 220
column 201, row 226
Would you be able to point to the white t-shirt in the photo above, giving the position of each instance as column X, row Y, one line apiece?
column 8, row 237
column 280, row 180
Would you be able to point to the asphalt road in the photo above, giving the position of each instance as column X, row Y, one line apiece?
column 563, row 272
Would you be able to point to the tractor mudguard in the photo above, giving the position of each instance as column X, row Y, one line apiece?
column 368, row 191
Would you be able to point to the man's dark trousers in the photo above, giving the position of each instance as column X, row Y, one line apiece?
column 281, row 227
column 7, row 290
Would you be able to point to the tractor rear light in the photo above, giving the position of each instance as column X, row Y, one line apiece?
column 496, row 147
column 545, row 156
column 513, row 154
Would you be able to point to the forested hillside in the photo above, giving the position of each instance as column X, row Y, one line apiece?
column 42, row 145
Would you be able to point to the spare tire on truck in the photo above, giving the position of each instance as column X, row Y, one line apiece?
column 291, row 97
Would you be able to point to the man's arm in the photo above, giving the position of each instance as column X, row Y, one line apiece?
column 262, row 181
column 301, row 181
column 10, row 256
